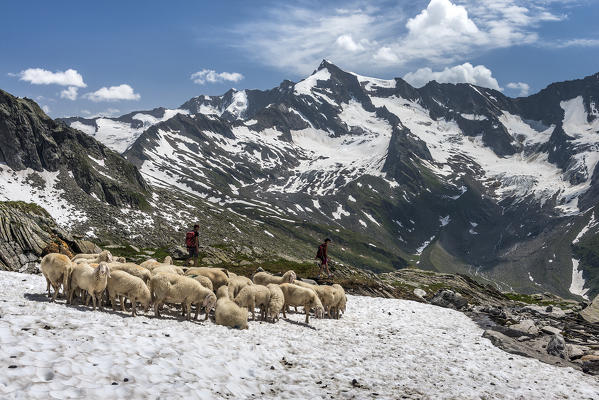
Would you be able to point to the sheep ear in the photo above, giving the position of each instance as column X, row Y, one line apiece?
column 206, row 301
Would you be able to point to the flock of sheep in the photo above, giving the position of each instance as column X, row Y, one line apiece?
column 155, row 283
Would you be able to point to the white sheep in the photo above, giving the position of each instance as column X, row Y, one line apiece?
column 236, row 284
column 177, row 289
column 276, row 302
column 132, row 269
column 168, row 260
column 299, row 296
column 56, row 268
column 326, row 294
column 227, row 313
column 167, row 269
column 219, row 277
column 150, row 264
column 252, row 296
column 264, row 278
column 340, row 301
column 92, row 280
column 204, row 281
column 104, row 256
column 122, row 284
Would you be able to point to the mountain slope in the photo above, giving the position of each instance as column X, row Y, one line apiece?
column 454, row 178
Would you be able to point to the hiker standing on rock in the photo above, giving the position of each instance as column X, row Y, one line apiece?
column 192, row 241
column 323, row 258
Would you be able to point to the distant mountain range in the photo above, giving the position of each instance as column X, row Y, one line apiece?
column 447, row 177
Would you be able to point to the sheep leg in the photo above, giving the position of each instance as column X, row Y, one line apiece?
column 98, row 296
column 188, row 307
column 48, row 286
column 113, row 301
column 307, row 308
column 284, row 308
column 56, row 287
column 93, row 300
column 122, row 301
column 133, row 306
column 156, row 309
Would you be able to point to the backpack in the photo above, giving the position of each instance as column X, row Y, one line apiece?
column 190, row 239
column 319, row 253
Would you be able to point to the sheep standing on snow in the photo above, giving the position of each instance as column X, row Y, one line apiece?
column 104, row 256
column 264, row 278
column 122, row 284
column 299, row 296
column 92, row 280
column 132, row 269
column 236, row 284
column 56, row 268
column 252, row 296
column 340, row 301
column 219, row 277
column 326, row 294
column 174, row 288
column 276, row 302
column 227, row 313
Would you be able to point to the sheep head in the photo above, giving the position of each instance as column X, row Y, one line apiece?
column 102, row 270
column 209, row 302
column 319, row 311
column 168, row 260
column 289, row 276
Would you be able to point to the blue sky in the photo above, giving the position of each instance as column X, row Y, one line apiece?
column 85, row 58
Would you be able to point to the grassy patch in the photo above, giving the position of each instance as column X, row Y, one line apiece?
column 27, row 207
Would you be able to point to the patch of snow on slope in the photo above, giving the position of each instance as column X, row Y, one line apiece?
column 239, row 104
column 18, row 186
column 83, row 355
column 516, row 127
column 371, row 83
column 577, row 284
column 340, row 212
column 473, row 117
column 305, row 87
column 420, row 249
column 371, row 218
column 85, row 128
column 444, row 220
column 591, row 224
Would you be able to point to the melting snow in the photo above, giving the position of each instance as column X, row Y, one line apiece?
column 305, row 87
column 577, row 284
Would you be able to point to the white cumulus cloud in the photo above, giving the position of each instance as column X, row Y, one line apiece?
column 346, row 42
column 443, row 32
column 465, row 73
column 40, row 76
column 211, row 76
column 521, row 86
column 113, row 93
column 69, row 93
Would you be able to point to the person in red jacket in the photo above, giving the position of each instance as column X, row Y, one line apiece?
column 192, row 241
column 323, row 258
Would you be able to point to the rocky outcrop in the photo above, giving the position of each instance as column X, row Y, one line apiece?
column 591, row 313
column 31, row 139
column 27, row 232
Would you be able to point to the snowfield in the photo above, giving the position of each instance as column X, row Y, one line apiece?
column 393, row 348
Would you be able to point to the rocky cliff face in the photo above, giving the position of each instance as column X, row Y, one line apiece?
column 33, row 141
